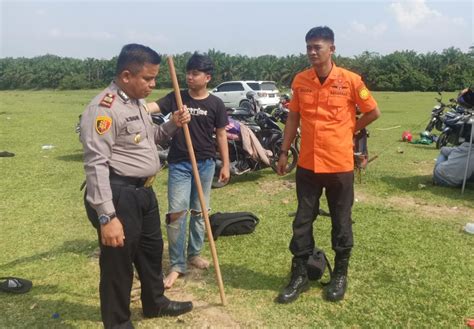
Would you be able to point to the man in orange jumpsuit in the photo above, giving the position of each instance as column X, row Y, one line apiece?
column 324, row 103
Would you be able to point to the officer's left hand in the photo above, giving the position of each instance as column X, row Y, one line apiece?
column 112, row 234
column 181, row 116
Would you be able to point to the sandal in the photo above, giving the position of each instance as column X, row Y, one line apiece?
column 15, row 285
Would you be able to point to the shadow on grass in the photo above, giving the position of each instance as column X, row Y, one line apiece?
column 422, row 147
column 79, row 247
column 412, row 183
column 249, row 177
column 50, row 313
column 77, row 157
column 242, row 277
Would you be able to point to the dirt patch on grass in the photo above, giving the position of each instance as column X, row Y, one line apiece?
column 204, row 314
column 428, row 209
column 273, row 187
column 420, row 206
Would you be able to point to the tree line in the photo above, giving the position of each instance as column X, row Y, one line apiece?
column 407, row 70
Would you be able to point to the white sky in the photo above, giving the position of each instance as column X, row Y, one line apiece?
column 99, row 28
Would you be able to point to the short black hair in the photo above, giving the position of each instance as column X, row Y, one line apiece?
column 320, row 32
column 200, row 62
column 134, row 56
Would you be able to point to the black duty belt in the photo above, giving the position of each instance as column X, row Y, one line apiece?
column 131, row 181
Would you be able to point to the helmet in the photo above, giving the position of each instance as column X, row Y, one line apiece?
column 260, row 118
column 251, row 94
column 425, row 134
column 286, row 97
column 406, row 136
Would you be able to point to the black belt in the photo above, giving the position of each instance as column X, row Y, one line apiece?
column 131, row 181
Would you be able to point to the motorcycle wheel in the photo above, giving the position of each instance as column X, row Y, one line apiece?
column 442, row 140
column 297, row 142
column 292, row 157
column 215, row 179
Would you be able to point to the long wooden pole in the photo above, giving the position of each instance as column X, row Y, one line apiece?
column 197, row 180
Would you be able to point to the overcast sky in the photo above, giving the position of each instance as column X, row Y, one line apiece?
column 99, row 28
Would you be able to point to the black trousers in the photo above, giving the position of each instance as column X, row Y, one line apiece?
column 137, row 209
column 339, row 190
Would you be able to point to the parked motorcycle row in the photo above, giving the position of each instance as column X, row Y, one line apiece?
column 451, row 120
column 269, row 134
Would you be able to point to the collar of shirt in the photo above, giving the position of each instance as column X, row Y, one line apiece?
column 333, row 75
column 122, row 95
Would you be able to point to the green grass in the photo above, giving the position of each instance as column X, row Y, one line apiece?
column 411, row 266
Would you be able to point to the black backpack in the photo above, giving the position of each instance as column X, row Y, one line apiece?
column 232, row 223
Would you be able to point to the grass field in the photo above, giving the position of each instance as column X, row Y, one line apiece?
column 412, row 264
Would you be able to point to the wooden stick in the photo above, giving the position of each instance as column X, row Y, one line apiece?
column 372, row 158
column 197, row 179
column 389, row 128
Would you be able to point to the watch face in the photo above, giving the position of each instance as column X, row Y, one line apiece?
column 104, row 219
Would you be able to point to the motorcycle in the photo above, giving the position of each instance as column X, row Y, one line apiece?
column 436, row 120
column 268, row 133
column 455, row 127
column 280, row 113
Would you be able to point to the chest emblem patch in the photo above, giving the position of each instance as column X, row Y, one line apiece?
column 103, row 124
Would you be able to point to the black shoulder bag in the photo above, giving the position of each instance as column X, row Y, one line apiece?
column 232, row 223
column 316, row 265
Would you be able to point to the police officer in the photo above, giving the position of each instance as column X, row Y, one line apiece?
column 120, row 161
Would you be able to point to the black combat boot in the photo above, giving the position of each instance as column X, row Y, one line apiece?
column 337, row 287
column 299, row 282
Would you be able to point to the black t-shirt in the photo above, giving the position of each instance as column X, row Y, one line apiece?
column 207, row 115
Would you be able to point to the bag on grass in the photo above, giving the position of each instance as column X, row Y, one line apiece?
column 316, row 265
column 232, row 223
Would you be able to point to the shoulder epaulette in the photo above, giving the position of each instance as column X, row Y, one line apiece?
column 107, row 100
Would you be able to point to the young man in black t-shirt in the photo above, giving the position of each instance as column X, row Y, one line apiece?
column 208, row 117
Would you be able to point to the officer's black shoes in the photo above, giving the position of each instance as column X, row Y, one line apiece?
column 299, row 282
column 175, row 309
column 336, row 289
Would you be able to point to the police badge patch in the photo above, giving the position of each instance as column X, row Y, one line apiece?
column 107, row 100
column 364, row 93
column 102, row 124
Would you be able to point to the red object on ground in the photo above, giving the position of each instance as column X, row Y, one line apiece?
column 406, row 136
column 470, row 323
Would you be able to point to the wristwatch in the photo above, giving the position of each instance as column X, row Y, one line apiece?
column 104, row 219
